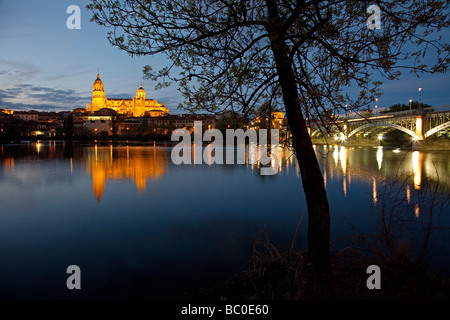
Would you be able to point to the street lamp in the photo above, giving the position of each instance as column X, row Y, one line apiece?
column 420, row 99
column 410, row 101
column 376, row 105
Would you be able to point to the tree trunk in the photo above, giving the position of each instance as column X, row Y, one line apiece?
column 312, row 179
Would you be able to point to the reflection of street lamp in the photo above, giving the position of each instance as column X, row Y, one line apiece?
column 410, row 101
column 420, row 99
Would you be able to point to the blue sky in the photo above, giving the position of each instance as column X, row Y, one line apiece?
column 44, row 65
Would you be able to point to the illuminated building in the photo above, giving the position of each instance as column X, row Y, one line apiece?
column 277, row 120
column 137, row 106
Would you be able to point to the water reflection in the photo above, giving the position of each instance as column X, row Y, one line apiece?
column 408, row 194
column 134, row 163
column 346, row 165
column 200, row 215
column 380, row 157
column 417, row 161
column 352, row 163
column 374, row 191
column 140, row 163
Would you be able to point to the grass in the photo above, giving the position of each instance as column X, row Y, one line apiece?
column 287, row 275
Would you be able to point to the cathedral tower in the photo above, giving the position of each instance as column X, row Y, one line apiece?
column 98, row 94
column 139, row 102
column 140, row 93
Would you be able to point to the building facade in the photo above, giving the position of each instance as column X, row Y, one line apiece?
column 136, row 107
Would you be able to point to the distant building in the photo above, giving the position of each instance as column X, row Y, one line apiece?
column 136, row 107
column 129, row 124
column 278, row 121
column 26, row 116
column 98, row 124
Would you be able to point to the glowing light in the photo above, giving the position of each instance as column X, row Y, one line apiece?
column 374, row 191
column 419, row 125
column 344, row 186
column 343, row 157
column 416, row 210
column 417, row 169
column 8, row 164
column 380, row 137
column 379, row 157
column 336, row 155
column 39, row 147
column 408, row 194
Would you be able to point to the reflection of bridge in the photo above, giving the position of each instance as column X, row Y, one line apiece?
column 418, row 124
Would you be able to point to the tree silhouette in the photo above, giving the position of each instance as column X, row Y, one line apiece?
column 68, row 126
column 300, row 55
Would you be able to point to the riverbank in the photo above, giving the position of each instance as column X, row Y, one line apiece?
column 287, row 275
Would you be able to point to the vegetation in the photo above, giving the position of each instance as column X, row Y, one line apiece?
column 405, row 107
column 68, row 126
column 287, row 275
column 303, row 55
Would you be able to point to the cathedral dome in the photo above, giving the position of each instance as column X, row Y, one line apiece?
column 98, row 84
column 140, row 93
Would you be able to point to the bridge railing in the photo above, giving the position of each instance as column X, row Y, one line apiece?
column 374, row 113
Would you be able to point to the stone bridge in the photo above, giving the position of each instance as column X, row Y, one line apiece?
column 419, row 124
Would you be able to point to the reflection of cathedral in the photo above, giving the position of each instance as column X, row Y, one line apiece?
column 136, row 107
column 132, row 163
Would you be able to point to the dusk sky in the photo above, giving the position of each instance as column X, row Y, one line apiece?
column 44, row 65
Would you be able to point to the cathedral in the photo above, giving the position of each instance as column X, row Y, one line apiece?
column 136, row 107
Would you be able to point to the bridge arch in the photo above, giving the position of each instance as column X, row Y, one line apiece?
column 382, row 124
column 436, row 129
column 322, row 130
column 315, row 131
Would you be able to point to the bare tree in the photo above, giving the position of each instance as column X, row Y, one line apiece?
column 303, row 55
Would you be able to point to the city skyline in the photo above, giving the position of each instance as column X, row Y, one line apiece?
column 46, row 66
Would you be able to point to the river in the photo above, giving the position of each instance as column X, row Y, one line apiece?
column 137, row 225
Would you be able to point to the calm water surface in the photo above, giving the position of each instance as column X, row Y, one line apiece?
column 139, row 226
